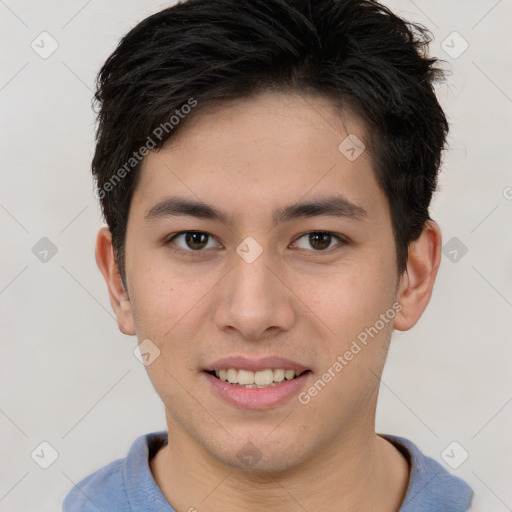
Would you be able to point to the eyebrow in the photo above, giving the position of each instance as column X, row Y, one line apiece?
column 334, row 206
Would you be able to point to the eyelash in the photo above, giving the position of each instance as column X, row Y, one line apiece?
column 191, row 253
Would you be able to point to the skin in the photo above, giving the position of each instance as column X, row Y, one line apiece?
column 295, row 300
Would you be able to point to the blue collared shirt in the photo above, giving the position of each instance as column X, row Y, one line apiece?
column 127, row 484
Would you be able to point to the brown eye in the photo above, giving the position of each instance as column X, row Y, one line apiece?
column 196, row 241
column 319, row 240
column 193, row 240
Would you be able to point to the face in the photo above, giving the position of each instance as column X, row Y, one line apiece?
column 263, row 282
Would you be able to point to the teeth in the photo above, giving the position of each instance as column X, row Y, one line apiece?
column 289, row 374
column 264, row 377
column 245, row 377
column 232, row 375
column 259, row 379
column 279, row 375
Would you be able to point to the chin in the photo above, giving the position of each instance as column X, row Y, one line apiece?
column 259, row 455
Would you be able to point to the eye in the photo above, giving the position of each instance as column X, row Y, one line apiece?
column 194, row 241
column 320, row 240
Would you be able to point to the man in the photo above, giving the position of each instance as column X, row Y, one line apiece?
column 265, row 169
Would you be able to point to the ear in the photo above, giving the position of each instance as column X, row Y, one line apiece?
column 118, row 296
column 417, row 281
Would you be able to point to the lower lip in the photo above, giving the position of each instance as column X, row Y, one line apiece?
column 257, row 398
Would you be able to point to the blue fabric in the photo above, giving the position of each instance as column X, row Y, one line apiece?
column 431, row 487
column 127, row 485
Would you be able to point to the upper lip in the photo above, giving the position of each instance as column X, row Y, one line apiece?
column 262, row 363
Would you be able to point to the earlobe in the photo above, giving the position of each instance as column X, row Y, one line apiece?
column 118, row 297
column 417, row 281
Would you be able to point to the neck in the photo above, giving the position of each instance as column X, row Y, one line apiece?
column 362, row 472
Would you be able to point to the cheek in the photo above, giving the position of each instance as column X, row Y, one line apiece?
column 353, row 297
column 168, row 308
column 164, row 314
column 161, row 294
column 351, row 304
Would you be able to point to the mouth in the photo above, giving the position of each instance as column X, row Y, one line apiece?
column 258, row 385
column 260, row 379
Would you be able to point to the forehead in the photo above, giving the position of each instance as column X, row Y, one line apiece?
column 270, row 148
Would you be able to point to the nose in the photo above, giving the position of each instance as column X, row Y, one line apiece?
column 255, row 300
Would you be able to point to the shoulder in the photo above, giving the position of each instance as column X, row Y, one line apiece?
column 431, row 486
column 119, row 484
column 101, row 488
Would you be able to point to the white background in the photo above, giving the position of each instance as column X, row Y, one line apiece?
column 69, row 377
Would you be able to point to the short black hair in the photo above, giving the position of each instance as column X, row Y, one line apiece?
column 199, row 52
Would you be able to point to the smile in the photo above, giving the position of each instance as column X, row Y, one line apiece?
column 277, row 391
column 259, row 379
